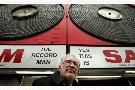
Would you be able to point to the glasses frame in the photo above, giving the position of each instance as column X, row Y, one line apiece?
column 77, row 64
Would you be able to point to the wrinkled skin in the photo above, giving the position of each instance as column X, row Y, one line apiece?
column 68, row 70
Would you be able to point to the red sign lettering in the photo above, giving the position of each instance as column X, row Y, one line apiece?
column 6, row 54
column 114, row 54
column 130, row 55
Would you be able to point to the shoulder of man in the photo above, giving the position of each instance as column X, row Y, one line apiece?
column 75, row 83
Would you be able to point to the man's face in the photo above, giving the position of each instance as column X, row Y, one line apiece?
column 70, row 67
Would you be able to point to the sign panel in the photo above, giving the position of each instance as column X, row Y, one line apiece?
column 31, row 56
column 104, row 57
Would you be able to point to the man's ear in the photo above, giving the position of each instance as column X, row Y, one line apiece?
column 59, row 67
column 78, row 71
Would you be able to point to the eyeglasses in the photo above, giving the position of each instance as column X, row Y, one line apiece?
column 70, row 62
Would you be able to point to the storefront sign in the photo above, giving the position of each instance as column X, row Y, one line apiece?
column 31, row 56
column 104, row 57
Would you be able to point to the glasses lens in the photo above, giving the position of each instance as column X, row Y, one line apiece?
column 74, row 62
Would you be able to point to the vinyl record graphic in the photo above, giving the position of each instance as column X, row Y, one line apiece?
column 111, row 22
column 17, row 21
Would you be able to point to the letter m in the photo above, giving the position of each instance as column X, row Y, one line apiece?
column 6, row 54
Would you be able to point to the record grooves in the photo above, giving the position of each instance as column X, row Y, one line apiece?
column 16, row 22
column 116, row 26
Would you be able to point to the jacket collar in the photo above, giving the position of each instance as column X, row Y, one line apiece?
column 59, row 80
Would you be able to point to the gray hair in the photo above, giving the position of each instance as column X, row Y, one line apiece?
column 63, row 58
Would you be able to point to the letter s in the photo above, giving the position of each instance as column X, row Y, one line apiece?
column 114, row 54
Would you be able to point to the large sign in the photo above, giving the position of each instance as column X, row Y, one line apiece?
column 104, row 57
column 31, row 56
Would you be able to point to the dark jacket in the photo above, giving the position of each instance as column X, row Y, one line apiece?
column 53, row 80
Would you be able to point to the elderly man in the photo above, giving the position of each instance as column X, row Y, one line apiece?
column 65, row 76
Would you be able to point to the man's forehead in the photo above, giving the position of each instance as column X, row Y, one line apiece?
column 70, row 57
